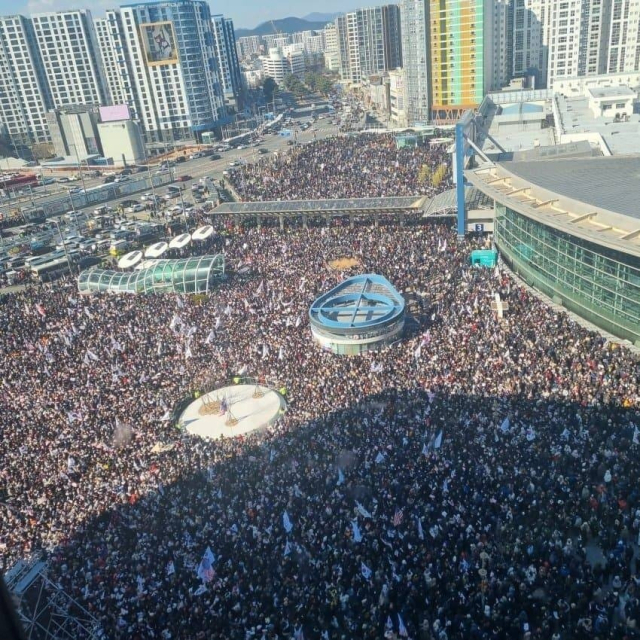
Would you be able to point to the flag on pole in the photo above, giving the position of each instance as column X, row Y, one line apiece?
column 298, row 633
column 438, row 441
column 40, row 310
column 340, row 477
column 205, row 568
column 366, row 572
column 636, row 435
column 530, row 434
column 363, row 512
column 357, row 536
column 402, row 630
column 506, row 424
column 389, row 624
column 380, row 458
column 200, row 590
column 287, row 549
column 425, row 449
column 210, row 337
column 88, row 313
column 281, row 353
column 417, row 352
column 179, row 302
column 420, row 531
column 171, row 568
column 286, row 522
column 398, row 517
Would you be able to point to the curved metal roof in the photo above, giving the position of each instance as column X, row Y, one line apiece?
column 358, row 303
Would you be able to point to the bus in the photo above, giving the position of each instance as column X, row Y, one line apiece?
column 51, row 270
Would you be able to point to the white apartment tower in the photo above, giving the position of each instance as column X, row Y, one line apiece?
column 171, row 51
column 24, row 94
column 414, row 16
column 72, row 64
column 368, row 42
column 624, row 37
column 116, row 62
column 227, row 57
column 500, row 46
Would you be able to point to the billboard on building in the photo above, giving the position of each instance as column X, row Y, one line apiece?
column 159, row 42
column 114, row 113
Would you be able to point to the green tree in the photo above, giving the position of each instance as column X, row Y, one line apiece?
column 269, row 87
column 424, row 175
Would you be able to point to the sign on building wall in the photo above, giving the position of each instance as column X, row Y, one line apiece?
column 159, row 42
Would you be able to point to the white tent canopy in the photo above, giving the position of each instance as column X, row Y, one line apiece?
column 156, row 250
column 180, row 241
column 130, row 259
column 203, row 233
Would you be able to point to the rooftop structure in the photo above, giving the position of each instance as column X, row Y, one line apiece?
column 361, row 314
column 189, row 275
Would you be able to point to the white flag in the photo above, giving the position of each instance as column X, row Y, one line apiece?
column 187, row 352
column 180, row 302
column 166, row 417
column 425, row 449
column 420, row 531
column 565, row 434
column 281, row 353
column 417, row 352
column 174, row 321
column 205, row 568
column 88, row 313
column 286, row 522
column 366, row 572
column 287, row 549
column 402, row 630
column 92, row 355
column 357, row 536
column 363, row 512
column 531, row 434
column 506, row 424
column 265, row 351
column 380, row 457
column 171, row 568
column 438, row 441
column 210, row 337
column 340, row 477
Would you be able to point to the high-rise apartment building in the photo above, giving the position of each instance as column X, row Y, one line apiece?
column 414, row 16
column 368, row 41
column 530, row 39
column 229, row 72
column 70, row 56
column 24, row 92
column 249, row 46
column 115, row 61
column 461, row 35
column 171, row 50
column 624, row 37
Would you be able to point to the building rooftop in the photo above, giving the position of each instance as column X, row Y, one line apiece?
column 611, row 92
column 593, row 198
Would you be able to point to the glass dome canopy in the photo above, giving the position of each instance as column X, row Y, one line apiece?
column 187, row 275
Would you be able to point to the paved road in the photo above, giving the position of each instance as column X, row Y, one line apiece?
column 202, row 167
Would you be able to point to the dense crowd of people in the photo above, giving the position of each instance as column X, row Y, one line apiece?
column 476, row 480
column 364, row 166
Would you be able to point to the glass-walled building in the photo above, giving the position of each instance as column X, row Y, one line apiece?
column 570, row 228
column 189, row 275
column 599, row 284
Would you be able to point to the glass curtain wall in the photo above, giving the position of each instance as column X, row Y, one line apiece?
column 600, row 284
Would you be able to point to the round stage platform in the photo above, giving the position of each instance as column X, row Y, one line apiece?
column 203, row 417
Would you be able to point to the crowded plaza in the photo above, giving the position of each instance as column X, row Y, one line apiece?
column 477, row 479
column 364, row 166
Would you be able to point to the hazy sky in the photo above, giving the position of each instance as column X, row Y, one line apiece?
column 245, row 13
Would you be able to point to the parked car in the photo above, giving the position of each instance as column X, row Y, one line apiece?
column 136, row 208
column 215, row 156
column 181, row 159
column 109, row 179
column 64, row 179
column 184, row 178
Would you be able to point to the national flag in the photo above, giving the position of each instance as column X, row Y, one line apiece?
column 357, row 536
column 298, row 633
column 366, row 572
column 210, row 337
column 175, row 320
column 265, row 351
column 380, row 458
column 425, row 449
column 281, row 353
column 565, row 434
column 286, row 522
column 140, row 581
column 417, row 352
column 398, row 517
column 506, row 424
column 363, row 512
column 636, row 435
column 200, row 590
column 71, row 464
column 187, row 352
column 179, row 302
column 340, row 477
column 389, row 624
column 402, row 630
column 438, row 441
column 420, row 531
column 227, row 311
column 166, row 416
column 92, row 355
column 287, row 549
column 40, row 309
column 171, row 568
column 530, row 434
column 298, row 321
column 205, row 568
column 88, row 313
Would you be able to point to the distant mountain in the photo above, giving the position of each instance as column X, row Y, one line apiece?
column 321, row 17
column 285, row 25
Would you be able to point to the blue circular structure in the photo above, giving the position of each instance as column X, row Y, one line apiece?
column 361, row 314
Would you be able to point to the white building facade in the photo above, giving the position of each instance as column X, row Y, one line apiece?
column 71, row 59
column 415, row 56
column 24, row 93
column 171, row 48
